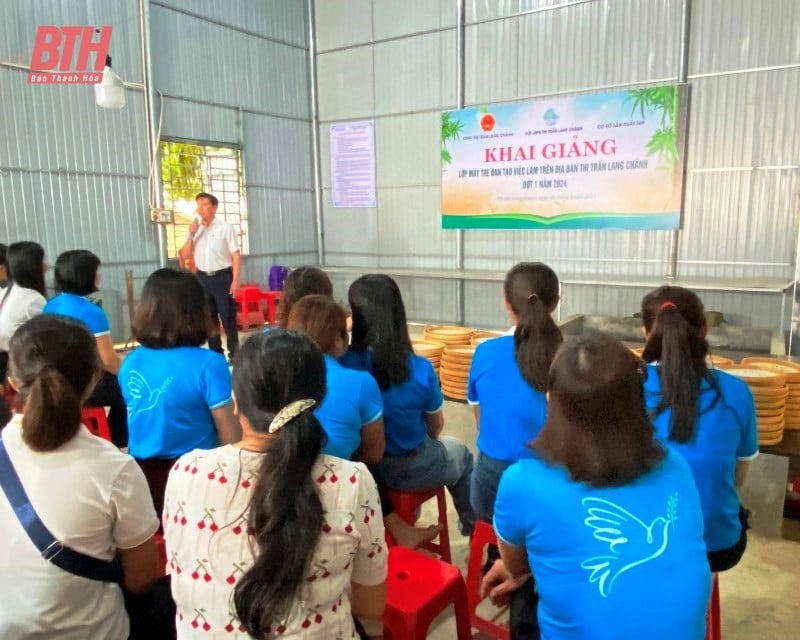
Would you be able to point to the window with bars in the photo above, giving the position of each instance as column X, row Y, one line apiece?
column 188, row 168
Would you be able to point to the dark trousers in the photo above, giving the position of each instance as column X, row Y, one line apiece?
column 5, row 412
column 383, row 493
column 523, row 621
column 3, row 367
column 108, row 394
column 156, row 472
column 223, row 309
column 152, row 614
column 725, row 559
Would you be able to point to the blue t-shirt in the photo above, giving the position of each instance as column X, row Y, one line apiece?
column 512, row 412
column 614, row 563
column 404, row 405
column 724, row 433
column 170, row 394
column 79, row 308
column 352, row 400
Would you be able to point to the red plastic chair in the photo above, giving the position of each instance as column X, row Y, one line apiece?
column 418, row 589
column 248, row 302
column 713, row 615
column 407, row 504
column 482, row 537
column 96, row 421
column 272, row 298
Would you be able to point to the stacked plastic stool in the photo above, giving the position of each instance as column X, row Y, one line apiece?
column 249, row 311
column 418, row 589
column 407, row 504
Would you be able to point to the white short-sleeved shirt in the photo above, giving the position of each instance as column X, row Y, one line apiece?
column 19, row 305
column 94, row 499
column 214, row 245
column 208, row 549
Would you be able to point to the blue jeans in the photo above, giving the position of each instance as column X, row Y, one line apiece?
column 485, row 480
column 436, row 462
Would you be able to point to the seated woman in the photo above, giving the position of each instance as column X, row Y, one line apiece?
column 24, row 295
column 91, row 497
column 608, row 520
column 707, row 416
column 508, row 380
column 178, row 393
column 270, row 536
column 417, row 457
column 302, row 282
column 352, row 412
column 507, row 386
column 77, row 275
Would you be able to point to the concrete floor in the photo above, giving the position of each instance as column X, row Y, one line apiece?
column 760, row 598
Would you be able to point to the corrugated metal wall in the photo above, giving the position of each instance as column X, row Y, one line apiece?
column 73, row 175
column 744, row 143
column 396, row 61
column 236, row 72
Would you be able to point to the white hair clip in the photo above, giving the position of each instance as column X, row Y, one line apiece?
column 289, row 413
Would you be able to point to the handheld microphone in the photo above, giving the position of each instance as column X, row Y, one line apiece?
column 198, row 221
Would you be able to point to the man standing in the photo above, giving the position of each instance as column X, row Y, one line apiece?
column 213, row 244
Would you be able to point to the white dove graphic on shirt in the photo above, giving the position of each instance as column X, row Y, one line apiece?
column 630, row 541
column 145, row 397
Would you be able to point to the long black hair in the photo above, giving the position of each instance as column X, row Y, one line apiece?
column 285, row 517
column 675, row 322
column 26, row 265
column 379, row 326
column 531, row 290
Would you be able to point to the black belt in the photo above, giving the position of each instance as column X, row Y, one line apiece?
column 211, row 274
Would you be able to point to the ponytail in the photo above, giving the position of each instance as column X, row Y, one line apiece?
column 531, row 290
column 286, row 522
column 52, row 411
column 675, row 341
column 536, row 340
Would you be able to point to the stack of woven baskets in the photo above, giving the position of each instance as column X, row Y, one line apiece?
column 430, row 350
column 450, row 349
column 791, row 371
column 482, row 336
column 711, row 359
column 769, row 393
column 448, row 335
column 454, row 374
column 456, row 358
